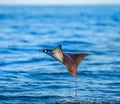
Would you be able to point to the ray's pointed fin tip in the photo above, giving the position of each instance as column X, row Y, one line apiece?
column 86, row 54
column 59, row 46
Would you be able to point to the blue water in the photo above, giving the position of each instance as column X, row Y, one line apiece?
column 28, row 76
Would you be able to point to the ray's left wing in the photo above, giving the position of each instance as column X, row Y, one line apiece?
column 55, row 53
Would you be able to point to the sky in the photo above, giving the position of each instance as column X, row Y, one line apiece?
column 58, row 2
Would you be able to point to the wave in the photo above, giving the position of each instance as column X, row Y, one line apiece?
column 52, row 100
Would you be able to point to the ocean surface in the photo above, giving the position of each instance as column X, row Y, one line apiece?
column 28, row 76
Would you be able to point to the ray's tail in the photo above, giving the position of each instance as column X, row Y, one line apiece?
column 76, row 83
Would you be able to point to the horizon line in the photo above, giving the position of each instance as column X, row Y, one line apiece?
column 85, row 4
